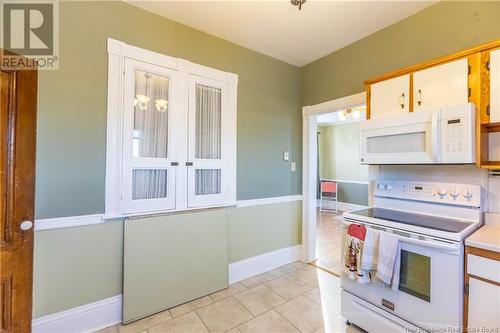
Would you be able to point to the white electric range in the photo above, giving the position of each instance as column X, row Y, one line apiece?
column 431, row 220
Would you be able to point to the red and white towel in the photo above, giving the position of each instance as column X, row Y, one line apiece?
column 353, row 250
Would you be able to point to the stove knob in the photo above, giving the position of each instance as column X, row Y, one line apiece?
column 454, row 194
column 388, row 187
column 380, row 186
column 467, row 194
column 442, row 192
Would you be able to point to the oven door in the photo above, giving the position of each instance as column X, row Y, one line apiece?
column 430, row 288
column 412, row 139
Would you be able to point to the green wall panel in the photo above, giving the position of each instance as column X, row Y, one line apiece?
column 71, row 138
column 170, row 260
column 260, row 229
column 443, row 28
column 76, row 266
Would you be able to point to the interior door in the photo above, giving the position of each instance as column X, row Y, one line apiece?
column 390, row 97
column 440, row 86
column 17, row 184
column 207, row 143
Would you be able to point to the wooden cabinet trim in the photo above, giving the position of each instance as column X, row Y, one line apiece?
column 482, row 253
column 435, row 62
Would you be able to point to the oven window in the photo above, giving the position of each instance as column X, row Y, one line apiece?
column 396, row 143
column 415, row 275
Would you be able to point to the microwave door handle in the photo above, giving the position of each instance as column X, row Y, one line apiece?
column 435, row 137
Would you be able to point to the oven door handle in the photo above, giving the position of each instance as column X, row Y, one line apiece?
column 440, row 246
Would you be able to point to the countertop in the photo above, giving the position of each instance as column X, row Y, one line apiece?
column 487, row 237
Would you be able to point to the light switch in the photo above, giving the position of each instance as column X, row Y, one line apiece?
column 293, row 166
column 286, row 156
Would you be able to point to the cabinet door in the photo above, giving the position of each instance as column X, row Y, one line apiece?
column 495, row 86
column 210, row 143
column 149, row 146
column 442, row 85
column 484, row 302
column 390, row 97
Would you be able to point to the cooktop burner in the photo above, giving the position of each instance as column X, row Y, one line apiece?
column 419, row 220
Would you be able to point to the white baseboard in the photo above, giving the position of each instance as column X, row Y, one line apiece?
column 246, row 268
column 86, row 318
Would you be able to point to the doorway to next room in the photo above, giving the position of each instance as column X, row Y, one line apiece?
column 342, row 183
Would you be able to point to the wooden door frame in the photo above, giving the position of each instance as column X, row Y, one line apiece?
column 310, row 166
column 20, row 197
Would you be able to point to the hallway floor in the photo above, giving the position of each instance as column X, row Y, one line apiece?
column 293, row 298
column 329, row 241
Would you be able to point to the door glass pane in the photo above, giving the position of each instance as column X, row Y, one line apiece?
column 415, row 275
column 397, row 143
column 149, row 184
column 150, row 135
column 208, row 122
column 208, row 181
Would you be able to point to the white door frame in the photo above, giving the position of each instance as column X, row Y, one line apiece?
column 310, row 166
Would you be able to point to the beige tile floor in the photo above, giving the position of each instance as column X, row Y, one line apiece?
column 292, row 298
column 329, row 241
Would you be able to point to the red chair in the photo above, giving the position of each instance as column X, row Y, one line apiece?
column 329, row 195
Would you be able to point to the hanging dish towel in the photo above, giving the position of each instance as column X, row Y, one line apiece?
column 369, row 256
column 387, row 253
column 397, row 268
column 353, row 249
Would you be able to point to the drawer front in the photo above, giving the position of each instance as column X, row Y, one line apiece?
column 483, row 267
column 484, row 302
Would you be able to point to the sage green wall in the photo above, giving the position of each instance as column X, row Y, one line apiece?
column 77, row 266
column 440, row 29
column 260, row 229
column 339, row 153
column 72, row 106
column 339, row 160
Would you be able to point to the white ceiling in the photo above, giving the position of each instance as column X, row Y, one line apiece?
column 280, row 30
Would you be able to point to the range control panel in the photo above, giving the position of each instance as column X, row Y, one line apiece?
column 450, row 193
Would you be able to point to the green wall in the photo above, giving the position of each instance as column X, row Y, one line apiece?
column 72, row 106
column 441, row 29
column 339, row 153
column 77, row 266
column 339, row 160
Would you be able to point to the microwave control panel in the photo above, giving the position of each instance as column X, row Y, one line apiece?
column 458, row 134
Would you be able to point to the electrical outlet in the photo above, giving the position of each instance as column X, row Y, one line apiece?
column 286, row 156
column 293, row 166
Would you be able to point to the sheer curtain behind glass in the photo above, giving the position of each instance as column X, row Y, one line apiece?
column 150, row 134
column 208, row 138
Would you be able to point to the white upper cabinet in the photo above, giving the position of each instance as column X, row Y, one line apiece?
column 440, row 86
column 390, row 97
column 171, row 133
column 495, row 86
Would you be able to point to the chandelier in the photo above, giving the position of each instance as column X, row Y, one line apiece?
column 298, row 3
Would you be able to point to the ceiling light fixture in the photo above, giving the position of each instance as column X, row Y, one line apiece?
column 351, row 114
column 298, row 3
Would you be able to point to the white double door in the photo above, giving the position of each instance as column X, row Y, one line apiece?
column 176, row 149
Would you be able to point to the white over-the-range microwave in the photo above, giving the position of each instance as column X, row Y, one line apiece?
column 441, row 136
